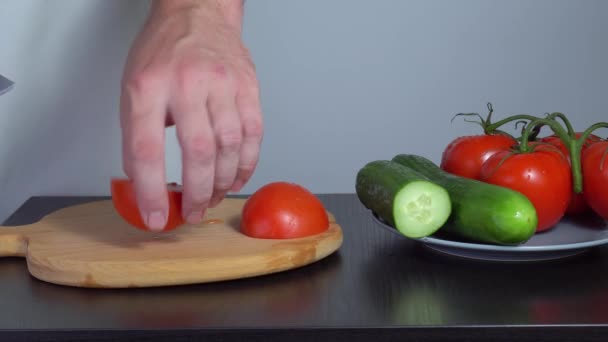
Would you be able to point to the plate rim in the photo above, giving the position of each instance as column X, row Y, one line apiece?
column 494, row 248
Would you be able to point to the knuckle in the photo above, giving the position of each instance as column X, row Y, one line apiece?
column 251, row 88
column 246, row 169
column 222, row 184
column 199, row 148
column 218, row 71
column 189, row 74
column 229, row 139
column 200, row 75
column 146, row 149
column 253, row 128
column 143, row 82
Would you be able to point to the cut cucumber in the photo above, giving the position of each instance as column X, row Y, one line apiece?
column 480, row 211
column 403, row 198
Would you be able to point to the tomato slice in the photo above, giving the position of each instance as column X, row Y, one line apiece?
column 282, row 210
column 125, row 203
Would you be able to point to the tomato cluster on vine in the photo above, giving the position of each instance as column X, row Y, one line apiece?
column 562, row 173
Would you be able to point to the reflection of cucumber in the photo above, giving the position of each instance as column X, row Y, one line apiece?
column 403, row 198
column 480, row 211
column 422, row 305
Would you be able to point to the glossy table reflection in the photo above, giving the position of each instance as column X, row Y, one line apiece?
column 377, row 287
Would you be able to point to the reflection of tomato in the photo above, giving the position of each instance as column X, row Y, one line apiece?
column 546, row 311
column 578, row 204
column 125, row 203
column 595, row 177
column 282, row 210
column 465, row 155
column 542, row 175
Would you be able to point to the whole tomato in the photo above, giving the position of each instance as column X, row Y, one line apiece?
column 465, row 155
column 543, row 175
column 595, row 177
column 578, row 205
column 282, row 210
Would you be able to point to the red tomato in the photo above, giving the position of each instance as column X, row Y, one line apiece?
column 123, row 198
column 465, row 155
column 595, row 177
column 546, row 311
column 578, row 205
column 282, row 210
column 542, row 175
column 555, row 140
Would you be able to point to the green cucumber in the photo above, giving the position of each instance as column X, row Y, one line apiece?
column 403, row 198
column 480, row 211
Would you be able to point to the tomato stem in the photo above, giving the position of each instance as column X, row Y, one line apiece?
column 490, row 111
column 491, row 128
column 566, row 122
column 482, row 122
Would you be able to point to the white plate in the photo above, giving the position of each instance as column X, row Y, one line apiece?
column 569, row 237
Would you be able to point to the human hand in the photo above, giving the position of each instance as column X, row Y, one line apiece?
column 188, row 67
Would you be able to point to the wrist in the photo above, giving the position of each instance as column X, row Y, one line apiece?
column 228, row 11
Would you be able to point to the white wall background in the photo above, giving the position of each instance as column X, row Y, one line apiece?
column 343, row 82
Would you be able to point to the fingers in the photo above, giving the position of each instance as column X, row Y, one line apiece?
column 219, row 131
column 142, row 121
column 228, row 136
column 198, row 147
column 249, row 108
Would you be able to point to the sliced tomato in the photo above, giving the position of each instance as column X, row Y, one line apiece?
column 282, row 210
column 542, row 175
column 465, row 155
column 595, row 177
column 125, row 203
column 578, row 205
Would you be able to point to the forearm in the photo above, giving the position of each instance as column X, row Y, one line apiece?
column 227, row 11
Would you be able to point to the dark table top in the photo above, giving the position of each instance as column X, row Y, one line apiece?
column 377, row 287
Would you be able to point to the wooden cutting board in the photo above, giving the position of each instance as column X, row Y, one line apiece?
column 90, row 245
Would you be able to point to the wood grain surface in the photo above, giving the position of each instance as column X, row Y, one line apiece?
column 89, row 245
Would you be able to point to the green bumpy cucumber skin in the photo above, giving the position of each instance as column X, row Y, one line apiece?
column 378, row 185
column 376, row 196
column 480, row 211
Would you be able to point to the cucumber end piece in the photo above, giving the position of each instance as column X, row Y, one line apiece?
column 421, row 208
column 521, row 226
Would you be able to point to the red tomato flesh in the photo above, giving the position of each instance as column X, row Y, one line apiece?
column 465, row 155
column 125, row 203
column 282, row 210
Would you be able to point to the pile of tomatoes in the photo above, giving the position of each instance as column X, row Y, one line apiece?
column 562, row 173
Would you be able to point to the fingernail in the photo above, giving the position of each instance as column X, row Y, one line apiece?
column 156, row 221
column 195, row 217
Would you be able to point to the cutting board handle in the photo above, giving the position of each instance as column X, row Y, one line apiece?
column 13, row 242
